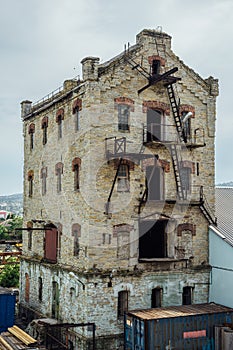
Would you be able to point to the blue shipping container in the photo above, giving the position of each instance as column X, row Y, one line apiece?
column 7, row 311
column 186, row 327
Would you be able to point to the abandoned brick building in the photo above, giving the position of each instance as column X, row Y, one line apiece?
column 118, row 190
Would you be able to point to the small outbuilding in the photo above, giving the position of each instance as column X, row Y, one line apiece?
column 7, row 309
column 186, row 327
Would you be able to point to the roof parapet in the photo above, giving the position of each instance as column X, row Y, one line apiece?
column 90, row 68
column 160, row 37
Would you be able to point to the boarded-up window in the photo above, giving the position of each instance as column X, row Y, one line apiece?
column 51, row 244
column 123, row 246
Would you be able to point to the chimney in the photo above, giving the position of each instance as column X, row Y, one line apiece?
column 26, row 107
column 90, row 68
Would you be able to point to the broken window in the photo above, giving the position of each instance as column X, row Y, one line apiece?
column 123, row 178
column 155, row 182
column 122, row 303
column 123, row 117
column 156, row 297
column 153, row 239
column 187, row 296
column 40, row 288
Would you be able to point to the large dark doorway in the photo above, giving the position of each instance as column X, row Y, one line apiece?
column 152, row 239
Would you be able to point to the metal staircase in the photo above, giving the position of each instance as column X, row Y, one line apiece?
column 176, row 167
column 205, row 208
column 176, row 113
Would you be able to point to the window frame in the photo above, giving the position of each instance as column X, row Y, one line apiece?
column 123, row 178
column 123, row 117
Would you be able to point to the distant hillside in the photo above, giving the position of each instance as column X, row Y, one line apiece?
column 12, row 203
column 226, row 184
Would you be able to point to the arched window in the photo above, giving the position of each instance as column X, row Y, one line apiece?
column 30, row 182
column 31, row 131
column 44, row 180
column 59, row 172
column 59, row 119
column 76, row 233
column 76, row 108
column 76, row 165
column 44, row 127
column 123, row 302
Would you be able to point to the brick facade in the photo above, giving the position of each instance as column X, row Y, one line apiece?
column 102, row 245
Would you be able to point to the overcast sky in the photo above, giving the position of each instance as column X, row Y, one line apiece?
column 42, row 44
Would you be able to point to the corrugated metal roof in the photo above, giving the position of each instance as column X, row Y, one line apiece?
column 224, row 212
column 179, row 311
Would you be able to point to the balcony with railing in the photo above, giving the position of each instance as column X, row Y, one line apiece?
column 162, row 134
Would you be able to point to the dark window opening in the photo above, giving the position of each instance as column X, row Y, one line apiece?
column 155, row 67
column 123, row 178
column 40, row 288
column 153, row 239
column 30, row 183
column 154, row 126
column 29, row 239
column 156, row 297
column 76, row 233
column 187, row 296
column 155, row 182
column 31, row 140
column 44, row 128
column 43, row 181
column 123, row 117
column 76, row 177
column 59, row 123
column 122, row 303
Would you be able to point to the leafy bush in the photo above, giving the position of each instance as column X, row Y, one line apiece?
column 9, row 276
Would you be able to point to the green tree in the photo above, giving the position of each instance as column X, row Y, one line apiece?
column 9, row 276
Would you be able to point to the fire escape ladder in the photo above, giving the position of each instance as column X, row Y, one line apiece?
column 136, row 66
column 205, row 208
column 143, row 200
column 107, row 211
column 176, row 167
column 176, row 113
